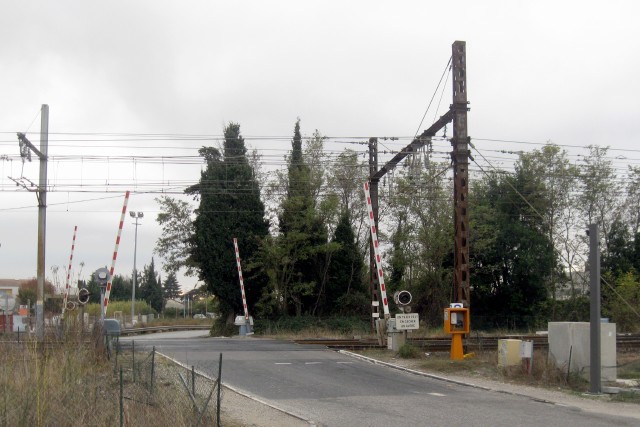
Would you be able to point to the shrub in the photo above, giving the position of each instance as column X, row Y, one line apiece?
column 407, row 351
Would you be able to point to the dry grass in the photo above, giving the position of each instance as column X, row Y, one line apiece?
column 55, row 385
column 72, row 383
column 485, row 365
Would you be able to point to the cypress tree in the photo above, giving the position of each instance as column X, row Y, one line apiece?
column 230, row 206
column 171, row 288
column 302, row 233
column 345, row 286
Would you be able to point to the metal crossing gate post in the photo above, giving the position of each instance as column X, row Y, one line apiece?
column 376, row 251
column 244, row 297
column 107, row 292
column 373, row 189
column 66, row 287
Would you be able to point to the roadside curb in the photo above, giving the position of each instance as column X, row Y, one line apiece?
column 242, row 392
column 445, row 379
column 584, row 406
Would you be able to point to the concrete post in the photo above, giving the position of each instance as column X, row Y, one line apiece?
column 594, row 282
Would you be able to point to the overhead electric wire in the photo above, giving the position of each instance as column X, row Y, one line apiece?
column 432, row 97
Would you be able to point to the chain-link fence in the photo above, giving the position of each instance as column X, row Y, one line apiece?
column 71, row 382
column 150, row 381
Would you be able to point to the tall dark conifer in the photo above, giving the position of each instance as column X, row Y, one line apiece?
column 230, row 206
column 303, row 235
column 344, row 284
column 171, row 288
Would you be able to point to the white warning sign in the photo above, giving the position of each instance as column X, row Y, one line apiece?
column 407, row 321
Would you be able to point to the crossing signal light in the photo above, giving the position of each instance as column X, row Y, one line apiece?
column 402, row 297
column 83, row 296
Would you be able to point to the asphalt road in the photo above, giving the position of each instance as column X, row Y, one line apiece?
column 332, row 389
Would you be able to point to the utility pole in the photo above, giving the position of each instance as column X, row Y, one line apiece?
column 42, row 211
column 595, row 370
column 136, row 216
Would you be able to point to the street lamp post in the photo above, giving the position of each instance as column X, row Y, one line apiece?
column 136, row 216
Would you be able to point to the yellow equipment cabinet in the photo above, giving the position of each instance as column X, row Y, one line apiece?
column 456, row 323
column 456, row 320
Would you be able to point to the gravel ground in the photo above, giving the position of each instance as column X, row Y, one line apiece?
column 240, row 409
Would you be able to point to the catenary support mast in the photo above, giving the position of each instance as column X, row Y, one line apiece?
column 42, row 210
column 460, row 156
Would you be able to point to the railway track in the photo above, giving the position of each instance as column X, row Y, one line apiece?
column 624, row 342
column 155, row 329
column 477, row 343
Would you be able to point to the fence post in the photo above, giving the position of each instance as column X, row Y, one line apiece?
column 193, row 380
column 153, row 365
column 121, row 400
column 219, row 388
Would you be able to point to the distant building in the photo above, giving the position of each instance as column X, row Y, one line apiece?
column 9, row 287
column 8, row 295
column 173, row 304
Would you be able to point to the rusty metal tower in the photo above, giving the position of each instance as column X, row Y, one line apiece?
column 460, row 155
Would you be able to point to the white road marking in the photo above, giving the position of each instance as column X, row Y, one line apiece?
column 283, row 363
column 312, row 363
column 437, row 394
column 344, row 363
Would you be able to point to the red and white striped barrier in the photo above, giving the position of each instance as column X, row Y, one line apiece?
column 376, row 252
column 66, row 287
column 115, row 253
column 244, row 298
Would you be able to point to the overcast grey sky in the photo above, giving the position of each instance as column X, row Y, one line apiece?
column 564, row 71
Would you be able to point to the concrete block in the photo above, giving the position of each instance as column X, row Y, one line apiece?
column 573, row 339
column 509, row 352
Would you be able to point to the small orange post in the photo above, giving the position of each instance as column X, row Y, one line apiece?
column 457, row 353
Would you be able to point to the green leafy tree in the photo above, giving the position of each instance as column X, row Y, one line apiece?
column 28, row 290
column 346, row 293
column 345, row 177
column 94, row 290
column 174, row 244
column 622, row 305
column 120, row 288
column 599, row 195
column 620, row 257
column 556, row 180
column 632, row 202
column 513, row 254
column 230, row 206
column 422, row 242
column 171, row 288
